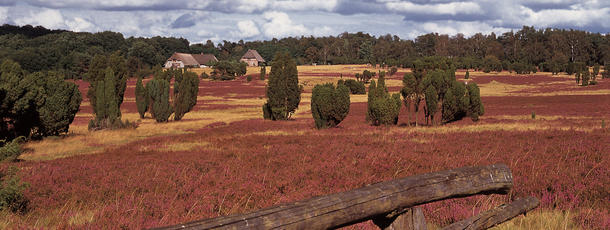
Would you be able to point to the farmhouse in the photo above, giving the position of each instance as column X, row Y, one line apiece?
column 252, row 58
column 181, row 60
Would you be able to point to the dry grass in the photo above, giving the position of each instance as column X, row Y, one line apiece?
column 548, row 220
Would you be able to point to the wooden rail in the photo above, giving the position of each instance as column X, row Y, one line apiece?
column 389, row 204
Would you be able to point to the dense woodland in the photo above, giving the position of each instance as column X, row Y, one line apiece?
column 39, row 49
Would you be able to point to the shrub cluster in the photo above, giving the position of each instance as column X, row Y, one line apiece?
column 228, row 70
column 393, row 70
column 438, row 87
column 382, row 108
column 155, row 97
column 11, row 191
column 10, row 150
column 283, row 91
column 355, row 87
column 329, row 105
column 35, row 105
column 366, row 76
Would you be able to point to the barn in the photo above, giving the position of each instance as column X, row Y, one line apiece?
column 181, row 60
column 252, row 58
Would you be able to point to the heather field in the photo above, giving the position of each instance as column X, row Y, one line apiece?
column 223, row 158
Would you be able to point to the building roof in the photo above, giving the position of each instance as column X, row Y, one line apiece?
column 252, row 54
column 204, row 59
column 193, row 59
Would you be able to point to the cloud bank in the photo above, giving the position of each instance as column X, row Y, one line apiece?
column 217, row 20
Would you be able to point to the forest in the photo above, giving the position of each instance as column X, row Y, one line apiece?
column 70, row 53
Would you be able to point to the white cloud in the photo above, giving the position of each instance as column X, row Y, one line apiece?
column 3, row 15
column 452, row 8
column 247, row 29
column 47, row 18
column 79, row 24
column 294, row 5
column 279, row 24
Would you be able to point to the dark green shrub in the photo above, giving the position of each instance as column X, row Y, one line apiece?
column 283, row 91
column 355, row 87
column 11, row 150
column 467, row 76
column 228, row 70
column 329, row 105
column 11, row 192
column 475, row 109
column 456, row 102
column 186, row 88
column 263, row 72
column 431, row 95
column 248, row 78
column 204, row 75
column 393, row 71
column 107, row 109
column 141, row 98
column 35, row 105
column 158, row 92
column 383, row 109
column 584, row 78
column 98, row 72
column 533, row 115
column 606, row 73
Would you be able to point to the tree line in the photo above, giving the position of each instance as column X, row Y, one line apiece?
column 71, row 53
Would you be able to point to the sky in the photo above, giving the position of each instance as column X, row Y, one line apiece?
column 234, row 20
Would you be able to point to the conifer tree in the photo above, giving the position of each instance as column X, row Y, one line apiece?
column 283, row 91
column 141, row 98
column 186, row 88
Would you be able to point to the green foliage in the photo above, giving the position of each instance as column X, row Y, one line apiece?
column 186, row 88
column 585, row 78
column 11, row 150
column 355, row 87
column 533, row 115
column 456, row 102
column 35, row 105
column 596, row 68
column 158, row 92
column 475, row 109
column 11, row 192
column 263, row 73
column 606, row 73
column 431, row 96
column 248, row 78
column 467, row 76
column 228, row 70
column 108, row 111
column 329, row 105
column 383, row 108
column 283, row 91
column 204, row 75
column 491, row 63
column 97, row 73
column 523, row 68
column 366, row 76
column 141, row 98
column 393, row 71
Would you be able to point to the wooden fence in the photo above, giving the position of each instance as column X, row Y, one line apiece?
column 390, row 204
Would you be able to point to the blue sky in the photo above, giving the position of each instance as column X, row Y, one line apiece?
column 217, row 20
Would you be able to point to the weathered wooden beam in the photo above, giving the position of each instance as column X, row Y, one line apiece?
column 412, row 219
column 496, row 216
column 354, row 206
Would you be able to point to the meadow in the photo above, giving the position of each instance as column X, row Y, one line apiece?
column 223, row 158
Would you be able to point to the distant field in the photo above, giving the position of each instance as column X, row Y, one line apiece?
column 223, row 158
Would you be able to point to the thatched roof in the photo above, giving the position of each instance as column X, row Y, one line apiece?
column 204, row 59
column 193, row 59
column 252, row 54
